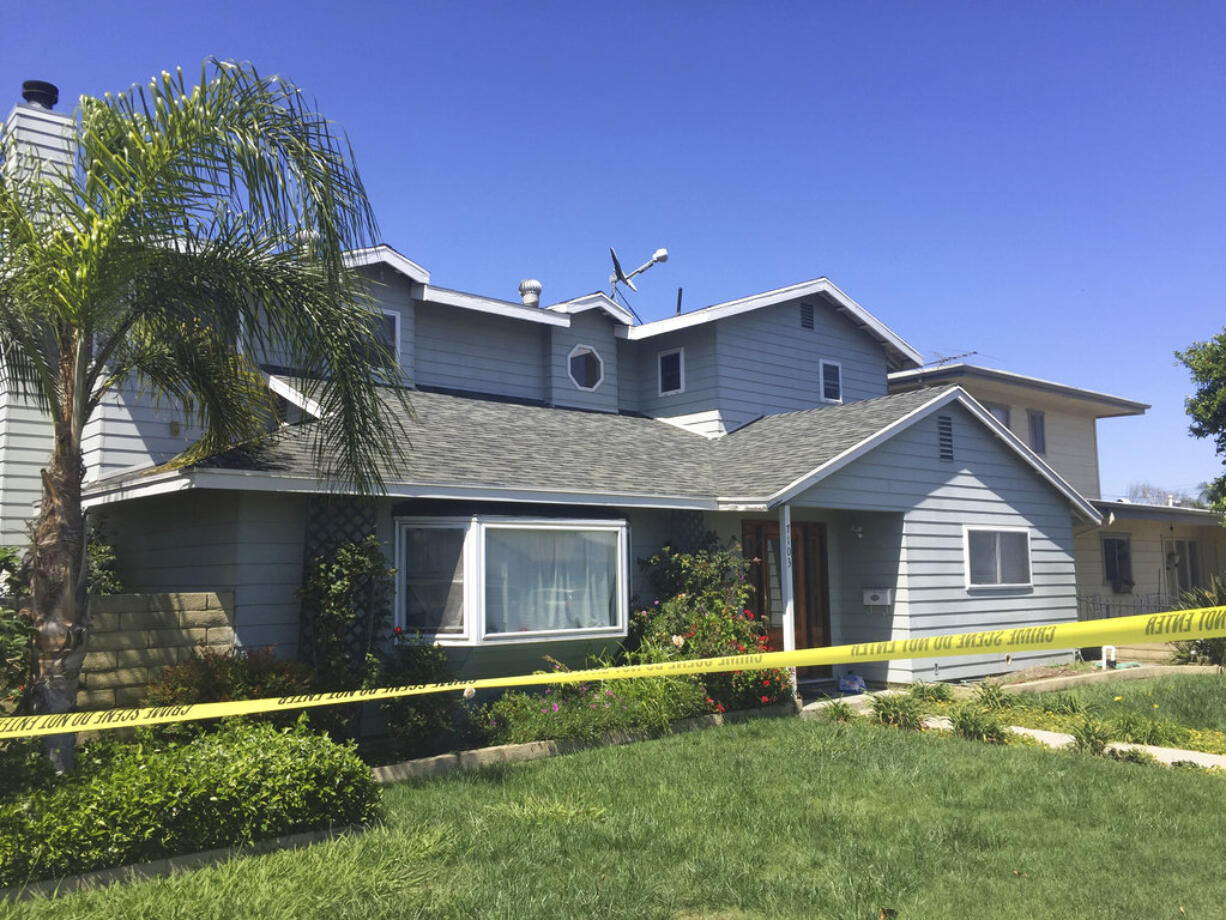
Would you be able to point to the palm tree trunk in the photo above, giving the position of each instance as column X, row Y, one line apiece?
column 58, row 587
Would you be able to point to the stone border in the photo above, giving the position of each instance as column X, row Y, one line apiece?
column 481, row 758
column 169, row 865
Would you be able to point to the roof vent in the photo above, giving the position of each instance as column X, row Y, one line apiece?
column 945, row 437
column 40, row 93
column 530, row 292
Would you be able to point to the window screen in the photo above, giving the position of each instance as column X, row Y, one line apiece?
column 998, row 557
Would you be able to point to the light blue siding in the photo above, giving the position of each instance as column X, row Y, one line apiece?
column 593, row 328
column 246, row 542
column 985, row 485
column 768, row 363
column 478, row 352
column 700, row 396
column 128, row 430
column 25, row 446
column 393, row 294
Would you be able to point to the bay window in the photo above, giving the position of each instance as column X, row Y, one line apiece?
column 484, row 579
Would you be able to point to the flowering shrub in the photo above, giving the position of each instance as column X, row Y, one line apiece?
column 585, row 711
column 710, row 617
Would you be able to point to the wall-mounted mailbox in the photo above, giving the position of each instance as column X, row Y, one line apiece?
column 878, row 597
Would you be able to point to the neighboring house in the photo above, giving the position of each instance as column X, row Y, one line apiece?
column 1142, row 557
column 553, row 447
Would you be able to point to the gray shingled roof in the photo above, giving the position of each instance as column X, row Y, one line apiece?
column 459, row 441
column 767, row 455
column 463, row 441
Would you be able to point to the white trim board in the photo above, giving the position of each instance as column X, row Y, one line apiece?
column 383, row 254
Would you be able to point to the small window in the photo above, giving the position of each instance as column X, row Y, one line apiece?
column 806, row 316
column 832, row 382
column 672, row 371
column 1184, row 563
column 999, row 411
column 1038, row 431
column 432, row 583
column 1117, row 563
column 586, row 367
column 385, row 329
column 945, row 437
column 997, row 558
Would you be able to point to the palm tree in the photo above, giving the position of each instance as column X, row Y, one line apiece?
column 197, row 228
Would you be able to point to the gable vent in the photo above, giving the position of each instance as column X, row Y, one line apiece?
column 945, row 437
column 806, row 316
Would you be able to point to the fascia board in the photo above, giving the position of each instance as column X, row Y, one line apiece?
column 770, row 298
column 386, row 255
column 955, row 394
column 466, row 301
column 950, row 374
column 251, row 481
column 282, row 387
column 593, row 302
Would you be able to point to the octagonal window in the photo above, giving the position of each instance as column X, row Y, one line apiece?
column 586, row 367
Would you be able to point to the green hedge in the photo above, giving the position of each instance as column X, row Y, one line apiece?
column 129, row 803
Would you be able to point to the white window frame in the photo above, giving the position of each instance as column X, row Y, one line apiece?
column 475, row 528
column 967, row 530
column 821, row 381
column 599, row 360
column 660, row 356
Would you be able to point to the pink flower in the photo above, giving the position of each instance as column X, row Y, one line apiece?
column 555, row 706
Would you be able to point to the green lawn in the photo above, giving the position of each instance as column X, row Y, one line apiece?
column 1191, row 700
column 769, row 819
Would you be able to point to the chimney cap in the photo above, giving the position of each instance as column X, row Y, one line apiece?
column 40, row 93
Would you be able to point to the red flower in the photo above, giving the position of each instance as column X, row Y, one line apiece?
column 766, row 699
column 749, row 613
column 397, row 630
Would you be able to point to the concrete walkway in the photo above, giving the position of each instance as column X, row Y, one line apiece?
column 860, row 703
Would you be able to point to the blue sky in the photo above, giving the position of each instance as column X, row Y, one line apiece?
column 1042, row 183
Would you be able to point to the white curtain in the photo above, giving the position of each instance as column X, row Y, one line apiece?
column 549, row 579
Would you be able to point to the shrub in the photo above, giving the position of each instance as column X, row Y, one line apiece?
column 346, row 611
column 1134, row 727
column 217, row 676
column 584, row 711
column 977, row 724
column 135, row 802
column 838, row 711
column 932, row 693
column 1065, row 704
column 1133, row 755
column 897, row 710
column 1210, row 651
column 1090, row 736
column 709, row 618
column 991, row 695
column 415, row 724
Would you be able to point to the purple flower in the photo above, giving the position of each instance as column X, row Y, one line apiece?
column 555, row 707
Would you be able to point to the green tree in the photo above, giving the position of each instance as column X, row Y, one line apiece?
column 195, row 228
column 1207, row 406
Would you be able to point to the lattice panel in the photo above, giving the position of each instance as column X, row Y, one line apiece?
column 686, row 530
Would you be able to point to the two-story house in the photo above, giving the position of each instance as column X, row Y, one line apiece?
column 553, row 446
column 1143, row 556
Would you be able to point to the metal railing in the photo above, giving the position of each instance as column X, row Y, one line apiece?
column 1103, row 606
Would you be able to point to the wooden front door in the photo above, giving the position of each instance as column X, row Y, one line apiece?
column 760, row 541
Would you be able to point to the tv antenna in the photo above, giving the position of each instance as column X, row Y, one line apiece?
column 620, row 277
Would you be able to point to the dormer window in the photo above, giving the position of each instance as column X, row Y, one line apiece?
column 586, row 367
column 832, row 382
column 672, row 371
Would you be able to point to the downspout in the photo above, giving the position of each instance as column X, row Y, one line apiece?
column 787, row 588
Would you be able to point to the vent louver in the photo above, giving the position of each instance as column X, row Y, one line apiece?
column 945, row 437
column 806, row 316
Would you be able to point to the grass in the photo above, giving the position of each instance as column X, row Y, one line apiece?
column 1190, row 700
column 768, row 819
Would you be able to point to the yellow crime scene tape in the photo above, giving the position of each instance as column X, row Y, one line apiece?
column 1201, row 623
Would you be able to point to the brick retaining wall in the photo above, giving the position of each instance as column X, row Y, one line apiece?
column 133, row 636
